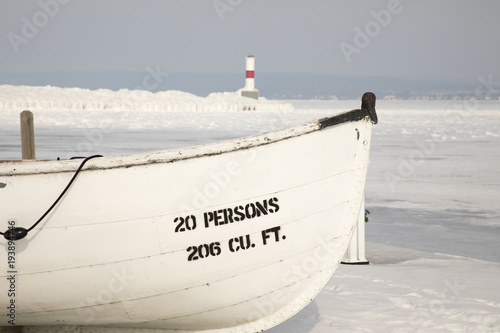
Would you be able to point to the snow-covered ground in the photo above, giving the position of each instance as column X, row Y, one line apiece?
column 433, row 191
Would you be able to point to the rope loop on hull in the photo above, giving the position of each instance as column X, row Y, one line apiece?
column 20, row 232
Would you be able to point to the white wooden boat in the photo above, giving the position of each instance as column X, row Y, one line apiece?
column 235, row 236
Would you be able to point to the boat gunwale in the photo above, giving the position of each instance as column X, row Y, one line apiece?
column 20, row 168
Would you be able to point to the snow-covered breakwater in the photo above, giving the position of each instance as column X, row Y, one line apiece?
column 55, row 98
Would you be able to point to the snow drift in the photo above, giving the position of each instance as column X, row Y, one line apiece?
column 56, row 98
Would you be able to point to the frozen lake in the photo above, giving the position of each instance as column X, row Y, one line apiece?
column 433, row 191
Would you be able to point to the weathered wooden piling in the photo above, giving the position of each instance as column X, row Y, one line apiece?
column 27, row 135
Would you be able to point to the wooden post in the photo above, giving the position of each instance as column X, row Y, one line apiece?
column 27, row 135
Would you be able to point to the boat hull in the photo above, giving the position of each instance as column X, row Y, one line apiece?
column 229, row 237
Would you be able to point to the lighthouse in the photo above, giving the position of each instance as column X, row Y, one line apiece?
column 249, row 89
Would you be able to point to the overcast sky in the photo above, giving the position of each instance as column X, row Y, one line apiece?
column 431, row 39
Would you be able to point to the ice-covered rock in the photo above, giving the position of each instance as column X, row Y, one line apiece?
column 56, row 98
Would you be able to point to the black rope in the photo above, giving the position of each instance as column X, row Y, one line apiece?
column 19, row 232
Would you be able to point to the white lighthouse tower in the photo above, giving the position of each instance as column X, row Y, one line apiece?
column 249, row 89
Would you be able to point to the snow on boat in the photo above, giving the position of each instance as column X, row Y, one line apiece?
column 235, row 236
